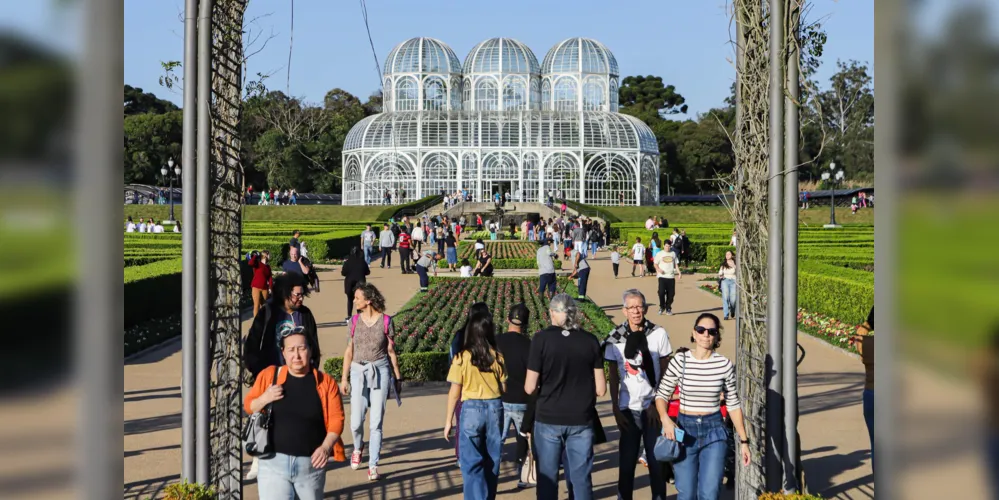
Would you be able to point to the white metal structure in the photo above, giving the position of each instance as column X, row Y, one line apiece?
column 501, row 123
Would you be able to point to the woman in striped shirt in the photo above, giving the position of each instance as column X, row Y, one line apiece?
column 703, row 376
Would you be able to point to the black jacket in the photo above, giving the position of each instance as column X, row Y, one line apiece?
column 353, row 271
column 260, row 347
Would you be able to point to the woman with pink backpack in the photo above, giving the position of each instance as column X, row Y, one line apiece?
column 370, row 371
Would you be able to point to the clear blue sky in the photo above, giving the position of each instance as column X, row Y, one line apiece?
column 684, row 41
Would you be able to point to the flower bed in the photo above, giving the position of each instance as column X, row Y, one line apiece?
column 505, row 250
column 820, row 326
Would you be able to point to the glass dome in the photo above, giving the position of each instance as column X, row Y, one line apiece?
column 501, row 74
column 422, row 74
column 580, row 55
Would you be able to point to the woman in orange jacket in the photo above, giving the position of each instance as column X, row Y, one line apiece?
column 307, row 421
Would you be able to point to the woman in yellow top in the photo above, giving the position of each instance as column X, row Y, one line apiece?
column 478, row 377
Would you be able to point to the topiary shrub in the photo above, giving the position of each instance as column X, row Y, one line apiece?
column 189, row 491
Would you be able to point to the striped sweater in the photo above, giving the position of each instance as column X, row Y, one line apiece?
column 703, row 382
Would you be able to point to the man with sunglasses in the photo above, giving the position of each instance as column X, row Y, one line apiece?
column 283, row 314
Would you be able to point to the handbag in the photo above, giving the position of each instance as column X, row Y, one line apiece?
column 529, row 471
column 257, row 434
column 668, row 450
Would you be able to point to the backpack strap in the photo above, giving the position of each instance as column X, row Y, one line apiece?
column 386, row 319
column 353, row 325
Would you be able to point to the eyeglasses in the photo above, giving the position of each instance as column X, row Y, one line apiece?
column 634, row 308
column 710, row 331
column 297, row 295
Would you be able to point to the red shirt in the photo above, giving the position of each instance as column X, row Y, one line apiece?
column 262, row 278
column 404, row 240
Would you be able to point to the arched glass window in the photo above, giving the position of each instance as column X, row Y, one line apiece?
column 535, row 102
column 387, row 95
column 434, row 94
column 565, row 94
column 614, row 97
column 514, row 94
column 546, row 95
column 593, row 95
column 407, row 94
column 455, row 92
column 466, row 94
column 486, row 95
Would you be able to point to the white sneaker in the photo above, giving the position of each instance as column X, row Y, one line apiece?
column 355, row 460
column 254, row 467
column 373, row 474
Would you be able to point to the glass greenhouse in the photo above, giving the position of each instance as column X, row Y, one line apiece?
column 501, row 123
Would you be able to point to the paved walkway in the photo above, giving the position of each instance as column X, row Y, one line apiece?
column 418, row 463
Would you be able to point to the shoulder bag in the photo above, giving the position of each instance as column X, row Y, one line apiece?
column 257, row 436
column 668, row 450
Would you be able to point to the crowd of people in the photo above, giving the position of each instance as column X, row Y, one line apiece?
column 273, row 196
column 147, row 226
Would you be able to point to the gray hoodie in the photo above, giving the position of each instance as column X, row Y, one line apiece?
column 386, row 238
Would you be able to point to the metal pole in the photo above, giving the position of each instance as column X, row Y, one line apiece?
column 791, row 256
column 832, row 201
column 172, row 177
column 189, row 185
column 740, row 57
column 775, row 369
column 203, row 254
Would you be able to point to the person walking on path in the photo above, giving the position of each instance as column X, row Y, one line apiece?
column 263, row 280
column 682, row 248
column 703, row 376
column 372, row 366
column 418, row 235
column 515, row 348
column 637, row 352
column 285, row 309
column 594, row 237
column 354, row 271
column 580, row 270
column 451, row 251
column 405, row 242
column 615, row 257
column 668, row 271
column 427, row 262
column 294, row 239
column 726, row 281
column 638, row 257
column 579, row 238
column 546, row 269
column 478, row 377
column 296, row 267
column 566, row 368
column 863, row 341
column 367, row 243
column 655, row 244
column 306, row 413
column 386, row 241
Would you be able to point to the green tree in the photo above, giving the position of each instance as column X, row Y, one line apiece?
column 138, row 102
column 648, row 98
column 848, row 119
column 150, row 141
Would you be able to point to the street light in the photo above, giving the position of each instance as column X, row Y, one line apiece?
column 166, row 171
column 833, row 177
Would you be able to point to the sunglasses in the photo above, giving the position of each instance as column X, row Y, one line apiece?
column 711, row 331
column 291, row 330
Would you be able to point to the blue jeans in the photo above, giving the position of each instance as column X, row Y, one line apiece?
column 729, row 297
column 513, row 413
column 869, row 419
column 550, row 441
column 361, row 398
column 701, row 466
column 480, row 444
column 367, row 254
column 593, row 248
column 992, row 455
column 284, row 477
column 547, row 280
column 634, row 438
column 584, row 276
column 424, row 279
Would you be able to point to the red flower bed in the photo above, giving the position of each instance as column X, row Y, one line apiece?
column 430, row 323
column 506, row 250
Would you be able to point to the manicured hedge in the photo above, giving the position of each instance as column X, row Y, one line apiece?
column 391, row 211
column 152, row 291
column 843, row 293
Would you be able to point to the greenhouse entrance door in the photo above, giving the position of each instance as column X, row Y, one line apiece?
column 490, row 188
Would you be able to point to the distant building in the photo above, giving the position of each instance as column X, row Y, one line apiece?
column 501, row 123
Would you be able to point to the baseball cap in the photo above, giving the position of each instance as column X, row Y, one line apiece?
column 519, row 314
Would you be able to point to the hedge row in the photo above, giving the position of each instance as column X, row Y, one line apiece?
column 417, row 366
column 152, row 291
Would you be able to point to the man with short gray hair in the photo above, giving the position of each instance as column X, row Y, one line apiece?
column 637, row 352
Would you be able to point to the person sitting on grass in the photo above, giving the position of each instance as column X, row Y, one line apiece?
column 466, row 269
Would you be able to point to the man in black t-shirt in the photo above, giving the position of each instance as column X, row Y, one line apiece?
column 515, row 348
column 294, row 240
column 567, row 369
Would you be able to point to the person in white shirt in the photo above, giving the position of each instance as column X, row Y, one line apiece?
column 418, row 235
column 615, row 260
column 650, row 224
column 638, row 257
column 637, row 352
column 176, row 227
column 479, row 245
column 734, row 239
column 157, row 228
column 142, row 227
column 668, row 271
column 130, row 226
column 466, row 269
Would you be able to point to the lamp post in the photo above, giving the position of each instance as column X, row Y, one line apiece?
column 166, row 171
column 833, row 177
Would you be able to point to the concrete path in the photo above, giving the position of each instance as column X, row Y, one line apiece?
column 418, row 463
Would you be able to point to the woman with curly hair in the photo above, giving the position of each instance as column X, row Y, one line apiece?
column 365, row 376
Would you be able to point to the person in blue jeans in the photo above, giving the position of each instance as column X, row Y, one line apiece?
column 580, row 270
column 566, row 368
column 478, row 378
column 726, row 275
column 515, row 348
column 863, row 341
column 703, row 376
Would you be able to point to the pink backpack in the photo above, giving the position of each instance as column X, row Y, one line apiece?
column 386, row 319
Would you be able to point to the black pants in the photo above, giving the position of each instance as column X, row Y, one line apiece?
column 387, row 256
column 404, row 257
column 349, row 291
column 418, row 245
column 616, row 266
column 667, row 290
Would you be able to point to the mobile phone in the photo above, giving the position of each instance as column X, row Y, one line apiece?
column 678, row 434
